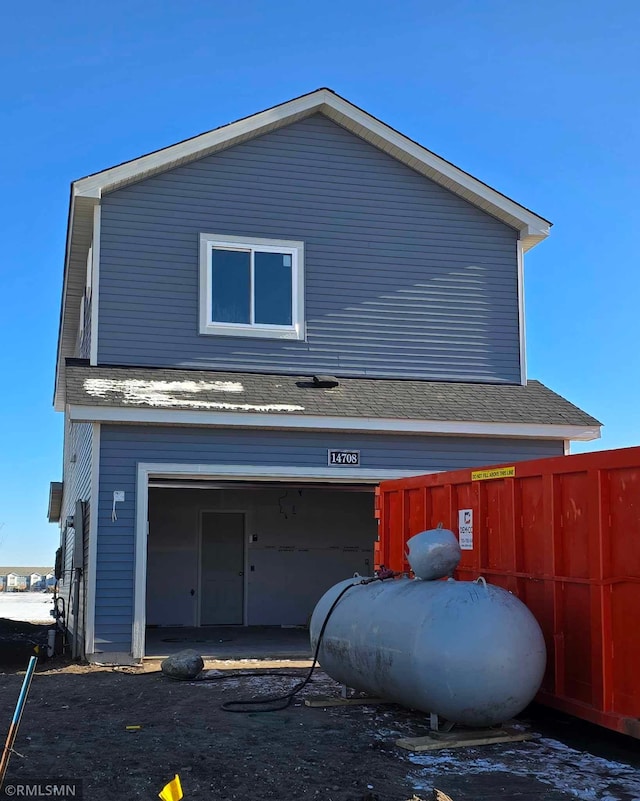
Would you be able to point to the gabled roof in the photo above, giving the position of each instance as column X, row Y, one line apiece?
column 25, row 571
column 354, row 119
column 140, row 394
column 86, row 192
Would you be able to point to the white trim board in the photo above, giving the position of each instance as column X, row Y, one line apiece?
column 521, row 314
column 237, row 471
column 124, row 414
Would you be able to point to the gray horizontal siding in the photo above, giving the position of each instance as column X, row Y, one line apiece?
column 123, row 447
column 403, row 278
column 76, row 487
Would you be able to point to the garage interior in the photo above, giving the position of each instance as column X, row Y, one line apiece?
column 234, row 568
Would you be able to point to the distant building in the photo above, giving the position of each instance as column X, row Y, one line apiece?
column 20, row 579
column 16, row 582
column 36, row 581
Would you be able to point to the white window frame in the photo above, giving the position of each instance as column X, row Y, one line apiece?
column 208, row 243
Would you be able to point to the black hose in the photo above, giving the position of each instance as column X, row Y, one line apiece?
column 60, row 614
column 283, row 701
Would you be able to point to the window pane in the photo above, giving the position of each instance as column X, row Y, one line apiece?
column 230, row 286
column 273, row 288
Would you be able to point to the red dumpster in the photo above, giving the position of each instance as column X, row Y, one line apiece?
column 563, row 534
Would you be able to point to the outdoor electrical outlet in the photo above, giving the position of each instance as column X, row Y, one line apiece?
column 118, row 497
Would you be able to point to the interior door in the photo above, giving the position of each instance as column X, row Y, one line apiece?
column 222, row 569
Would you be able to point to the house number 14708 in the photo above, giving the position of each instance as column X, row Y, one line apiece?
column 344, row 458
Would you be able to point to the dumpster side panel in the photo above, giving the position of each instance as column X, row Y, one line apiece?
column 563, row 534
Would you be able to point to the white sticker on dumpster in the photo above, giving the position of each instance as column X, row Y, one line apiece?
column 465, row 529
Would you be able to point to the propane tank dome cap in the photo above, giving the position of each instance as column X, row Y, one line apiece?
column 433, row 554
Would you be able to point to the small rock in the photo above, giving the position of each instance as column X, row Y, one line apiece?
column 184, row 665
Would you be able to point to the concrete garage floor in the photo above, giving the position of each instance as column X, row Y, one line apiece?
column 230, row 642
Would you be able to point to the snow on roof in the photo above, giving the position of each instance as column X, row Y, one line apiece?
column 169, row 394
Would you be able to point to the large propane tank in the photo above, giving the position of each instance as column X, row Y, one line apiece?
column 465, row 650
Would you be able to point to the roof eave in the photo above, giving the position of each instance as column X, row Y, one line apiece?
column 79, row 233
column 58, row 390
column 54, row 510
column 152, row 416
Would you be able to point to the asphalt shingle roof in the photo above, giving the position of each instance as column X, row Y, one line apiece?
column 25, row 571
column 287, row 394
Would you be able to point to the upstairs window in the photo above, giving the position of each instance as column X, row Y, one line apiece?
column 251, row 287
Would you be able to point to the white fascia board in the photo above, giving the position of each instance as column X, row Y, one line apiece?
column 95, row 185
column 119, row 414
column 532, row 227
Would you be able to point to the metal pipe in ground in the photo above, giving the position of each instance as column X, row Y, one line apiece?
column 15, row 721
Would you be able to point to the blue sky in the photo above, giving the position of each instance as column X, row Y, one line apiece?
column 540, row 102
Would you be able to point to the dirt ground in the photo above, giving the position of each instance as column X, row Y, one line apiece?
column 74, row 727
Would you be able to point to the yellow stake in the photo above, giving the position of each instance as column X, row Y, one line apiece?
column 172, row 791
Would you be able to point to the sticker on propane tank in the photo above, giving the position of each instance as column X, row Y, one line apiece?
column 465, row 529
column 498, row 472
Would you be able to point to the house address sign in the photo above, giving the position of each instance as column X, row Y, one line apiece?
column 337, row 458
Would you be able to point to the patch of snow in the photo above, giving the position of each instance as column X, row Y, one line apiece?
column 387, row 734
column 173, row 394
column 582, row 775
column 30, row 607
column 101, row 386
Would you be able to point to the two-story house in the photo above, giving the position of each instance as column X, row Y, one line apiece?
column 258, row 324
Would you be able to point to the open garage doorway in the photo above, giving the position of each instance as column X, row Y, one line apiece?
column 249, row 554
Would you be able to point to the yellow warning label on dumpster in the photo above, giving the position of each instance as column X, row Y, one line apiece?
column 499, row 472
